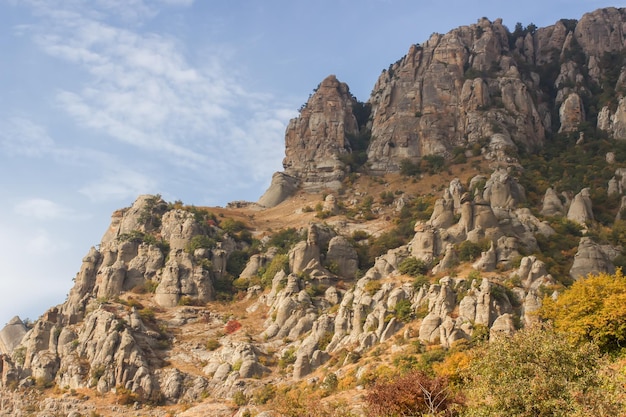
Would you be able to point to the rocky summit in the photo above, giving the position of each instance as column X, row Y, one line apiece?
column 483, row 176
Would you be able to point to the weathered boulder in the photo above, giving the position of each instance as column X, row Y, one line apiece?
column 342, row 254
column 178, row 228
column 580, row 210
column 11, row 335
column 426, row 244
column 532, row 273
column 503, row 191
column 590, row 258
column 571, row 113
column 487, row 261
column 281, row 187
column 552, row 204
column 144, row 216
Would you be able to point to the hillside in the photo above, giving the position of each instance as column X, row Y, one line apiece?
column 426, row 232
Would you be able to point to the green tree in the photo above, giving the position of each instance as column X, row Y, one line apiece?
column 538, row 372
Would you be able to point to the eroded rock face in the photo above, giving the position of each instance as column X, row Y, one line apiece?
column 429, row 101
column 470, row 88
column 319, row 136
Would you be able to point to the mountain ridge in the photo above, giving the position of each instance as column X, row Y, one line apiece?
column 411, row 217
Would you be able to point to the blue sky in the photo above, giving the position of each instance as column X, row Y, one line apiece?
column 103, row 100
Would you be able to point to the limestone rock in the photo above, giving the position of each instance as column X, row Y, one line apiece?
column 11, row 335
column 580, row 210
column 571, row 113
column 315, row 140
column 178, row 228
column 144, row 215
column 501, row 190
column 342, row 253
column 533, row 273
column 590, row 258
column 424, row 105
column 552, row 204
column 487, row 261
column 425, row 244
column 503, row 325
column 281, row 187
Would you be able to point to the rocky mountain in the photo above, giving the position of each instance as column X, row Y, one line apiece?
column 484, row 173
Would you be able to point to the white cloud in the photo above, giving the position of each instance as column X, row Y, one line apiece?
column 19, row 136
column 185, row 3
column 182, row 110
column 118, row 185
column 42, row 245
column 42, row 209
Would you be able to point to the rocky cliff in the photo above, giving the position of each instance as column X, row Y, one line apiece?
column 460, row 89
column 200, row 310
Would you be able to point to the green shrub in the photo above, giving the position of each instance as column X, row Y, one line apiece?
column 200, row 242
column 280, row 262
column 433, row 163
column 372, row 287
column 325, row 340
column 536, row 372
column 285, row 239
column 409, row 169
column 386, row 197
column 403, row 311
column 470, row 251
column 264, row 394
column 212, row 344
column 413, row 267
column 240, row 399
column 420, row 281
column 288, row 358
column 236, row 262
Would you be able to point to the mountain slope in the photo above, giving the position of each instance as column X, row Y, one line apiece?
column 484, row 173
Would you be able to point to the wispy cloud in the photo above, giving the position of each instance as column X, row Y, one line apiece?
column 22, row 137
column 42, row 209
column 119, row 184
column 144, row 91
column 154, row 105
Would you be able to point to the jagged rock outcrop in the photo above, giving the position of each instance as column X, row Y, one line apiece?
column 319, row 136
column 315, row 142
column 502, row 191
column 477, row 92
column 343, row 255
column 450, row 91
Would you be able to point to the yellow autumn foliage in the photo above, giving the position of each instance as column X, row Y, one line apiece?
column 593, row 309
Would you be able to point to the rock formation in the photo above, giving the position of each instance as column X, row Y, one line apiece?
column 140, row 318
